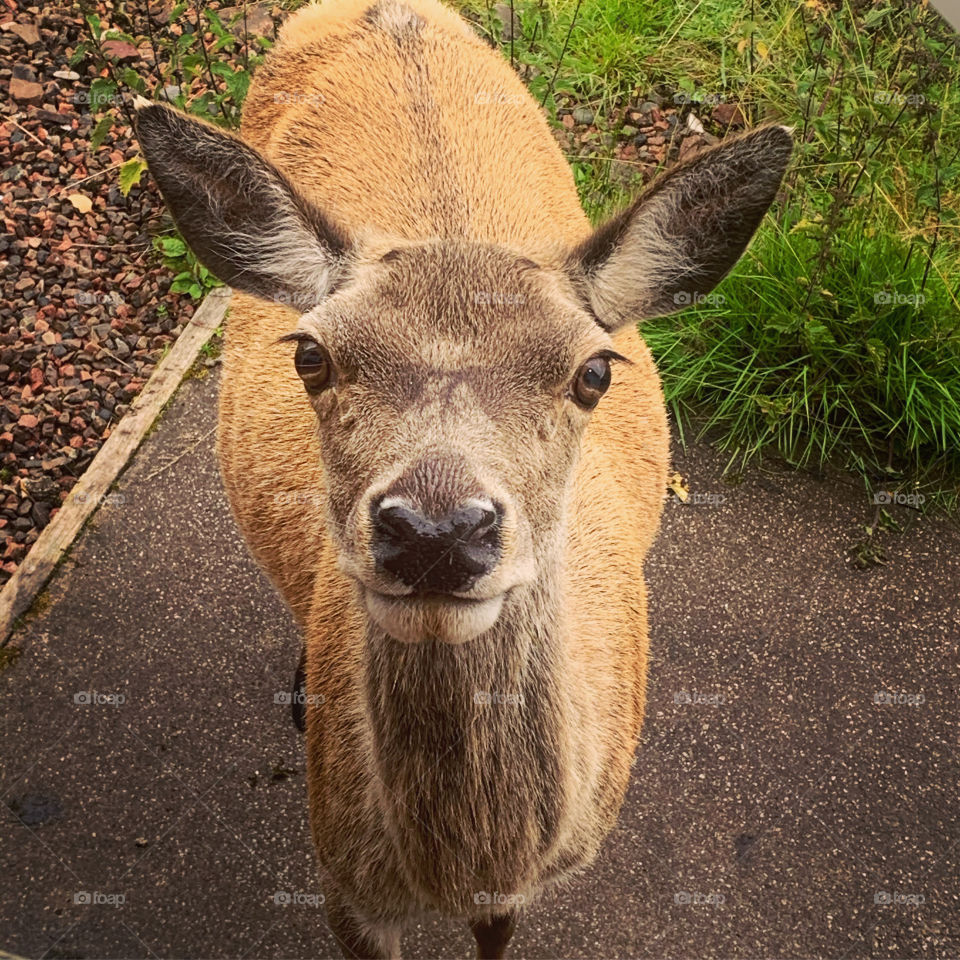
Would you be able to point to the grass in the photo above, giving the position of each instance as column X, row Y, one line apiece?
column 819, row 369
column 837, row 338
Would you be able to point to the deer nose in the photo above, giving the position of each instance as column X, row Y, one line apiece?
column 444, row 555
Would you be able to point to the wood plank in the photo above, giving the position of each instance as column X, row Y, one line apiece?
column 93, row 486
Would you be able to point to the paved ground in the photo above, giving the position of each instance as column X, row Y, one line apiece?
column 771, row 791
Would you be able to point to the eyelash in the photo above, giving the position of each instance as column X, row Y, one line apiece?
column 297, row 336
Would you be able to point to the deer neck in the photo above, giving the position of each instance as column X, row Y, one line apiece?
column 470, row 746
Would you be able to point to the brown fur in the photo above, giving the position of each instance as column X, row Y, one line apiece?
column 461, row 288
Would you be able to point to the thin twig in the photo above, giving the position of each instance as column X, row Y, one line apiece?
column 206, row 60
column 180, row 455
column 156, row 54
column 936, row 231
column 813, row 83
column 93, row 176
column 563, row 53
column 246, row 41
column 26, row 131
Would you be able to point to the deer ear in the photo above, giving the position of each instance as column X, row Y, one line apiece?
column 240, row 215
column 683, row 234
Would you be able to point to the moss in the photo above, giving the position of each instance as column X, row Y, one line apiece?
column 9, row 655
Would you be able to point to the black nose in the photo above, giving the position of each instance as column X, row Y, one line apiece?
column 436, row 556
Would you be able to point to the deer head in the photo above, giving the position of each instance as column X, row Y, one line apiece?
column 451, row 380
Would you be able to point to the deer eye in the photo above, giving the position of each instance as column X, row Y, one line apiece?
column 314, row 366
column 591, row 382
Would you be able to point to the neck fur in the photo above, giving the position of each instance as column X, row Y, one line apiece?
column 469, row 748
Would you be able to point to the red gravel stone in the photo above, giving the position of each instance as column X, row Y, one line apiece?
column 72, row 286
column 25, row 91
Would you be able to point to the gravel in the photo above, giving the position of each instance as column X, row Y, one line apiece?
column 85, row 312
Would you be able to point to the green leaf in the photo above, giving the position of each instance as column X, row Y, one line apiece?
column 172, row 246
column 130, row 174
column 199, row 107
column 101, row 130
column 817, row 335
column 102, row 92
column 79, row 53
column 133, row 80
column 875, row 17
column 238, row 85
column 93, row 21
column 216, row 25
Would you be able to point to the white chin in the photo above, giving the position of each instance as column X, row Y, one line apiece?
column 450, row 620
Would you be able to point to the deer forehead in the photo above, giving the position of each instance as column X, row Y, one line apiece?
column 457, row 314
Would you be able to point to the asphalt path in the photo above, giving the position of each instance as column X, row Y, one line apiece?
column 795, row 793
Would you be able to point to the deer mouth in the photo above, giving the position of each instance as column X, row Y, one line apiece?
column 414, row 617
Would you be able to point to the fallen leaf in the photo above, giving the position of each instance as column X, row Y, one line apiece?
column 82, row 203
column 679, row 487
column 130, row 174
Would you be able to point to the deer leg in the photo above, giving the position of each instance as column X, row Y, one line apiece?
column 359, row 940
column 492, row 936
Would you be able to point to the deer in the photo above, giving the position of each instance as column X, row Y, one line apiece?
column 446, row 443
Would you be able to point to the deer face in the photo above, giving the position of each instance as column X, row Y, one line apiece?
column 452, row 381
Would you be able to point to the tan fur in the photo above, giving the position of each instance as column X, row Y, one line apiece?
column 490, row 173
